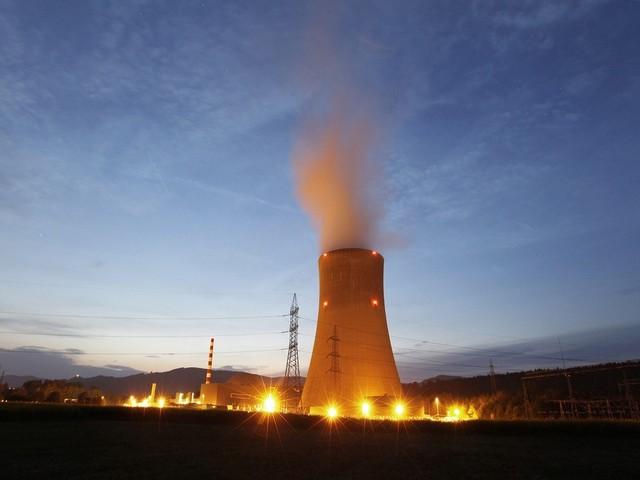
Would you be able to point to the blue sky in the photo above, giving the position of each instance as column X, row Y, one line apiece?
column 146, row 186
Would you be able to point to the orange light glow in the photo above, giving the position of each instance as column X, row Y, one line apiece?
column 458, row 413
column 332, row 412
column 270, row 404
column 366, row 409
column 325, row 303
column 374, row 302
column 324, row 254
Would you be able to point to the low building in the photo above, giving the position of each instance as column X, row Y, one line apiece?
column 241, row 392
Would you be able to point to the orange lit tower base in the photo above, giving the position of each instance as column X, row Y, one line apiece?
column 352, row 358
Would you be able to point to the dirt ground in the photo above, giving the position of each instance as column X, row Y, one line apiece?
column 44, row 441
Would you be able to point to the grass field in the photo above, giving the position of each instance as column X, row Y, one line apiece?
column 47, row 441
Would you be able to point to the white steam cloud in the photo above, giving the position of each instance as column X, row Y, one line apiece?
column 336, row 179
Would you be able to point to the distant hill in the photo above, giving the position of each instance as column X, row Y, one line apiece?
column 586, row 381
column 15, row 381
column 168, row 383
column 439, row 378
column 589, row 381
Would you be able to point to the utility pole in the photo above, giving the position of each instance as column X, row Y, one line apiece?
column 525, row 395
column 492, row 377
column 567, row 375
column 564, row 366
column 292, row 370
column 570, row 389
column 627, row 394
column 1, row 383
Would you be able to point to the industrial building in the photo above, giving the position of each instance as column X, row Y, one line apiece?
column 240, row 392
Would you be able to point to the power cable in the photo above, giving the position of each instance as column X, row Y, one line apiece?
column 150, row 317
column 80, row 335
column 74, row 352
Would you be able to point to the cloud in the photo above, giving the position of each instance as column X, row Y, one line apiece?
column 585, row 82
column 609, row 344
column 205, row 82
column 122, row 370
column 16, row 322
column 43, row 362
column 237, row 368
column 458, row 185
column 535, row 14
column 134, row 84
column 629, row 290
column 237, row 196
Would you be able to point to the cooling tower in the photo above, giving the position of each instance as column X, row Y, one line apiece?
column 352, row 358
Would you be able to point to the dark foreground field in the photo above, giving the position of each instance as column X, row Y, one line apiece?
column 97, row 442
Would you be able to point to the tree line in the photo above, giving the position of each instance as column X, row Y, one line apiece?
column 615, row 385
column 52, row 391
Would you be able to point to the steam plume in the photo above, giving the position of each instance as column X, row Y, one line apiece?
column 336, row 180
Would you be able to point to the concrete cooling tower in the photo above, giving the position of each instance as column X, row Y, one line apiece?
column 352, row 361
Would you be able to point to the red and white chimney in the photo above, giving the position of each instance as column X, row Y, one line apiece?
column 209, row 375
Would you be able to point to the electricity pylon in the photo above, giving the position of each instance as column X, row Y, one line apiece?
column 292, row 382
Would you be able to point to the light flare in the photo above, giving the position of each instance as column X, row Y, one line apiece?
column 332, row 412
column 366, row 409
column 270, row 404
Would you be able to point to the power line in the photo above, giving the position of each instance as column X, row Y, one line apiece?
column 75, row 352
column 480, row 350
column 492, row 376
column 485, row 351
column 471, row 350
column 150, row 317
column 435, row 362
column 425, row 364
column 417, row 339
column 81, row 335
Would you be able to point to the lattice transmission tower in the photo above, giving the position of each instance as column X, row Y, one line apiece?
column 292, row 381
column 334, row 370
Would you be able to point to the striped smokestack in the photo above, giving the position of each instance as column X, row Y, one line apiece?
column 207, row 379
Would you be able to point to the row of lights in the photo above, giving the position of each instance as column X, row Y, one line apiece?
column 144, row 403
column 270, row 405
column 399, row 410
column 373, row 252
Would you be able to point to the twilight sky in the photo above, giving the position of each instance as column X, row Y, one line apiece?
column 147, row 196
